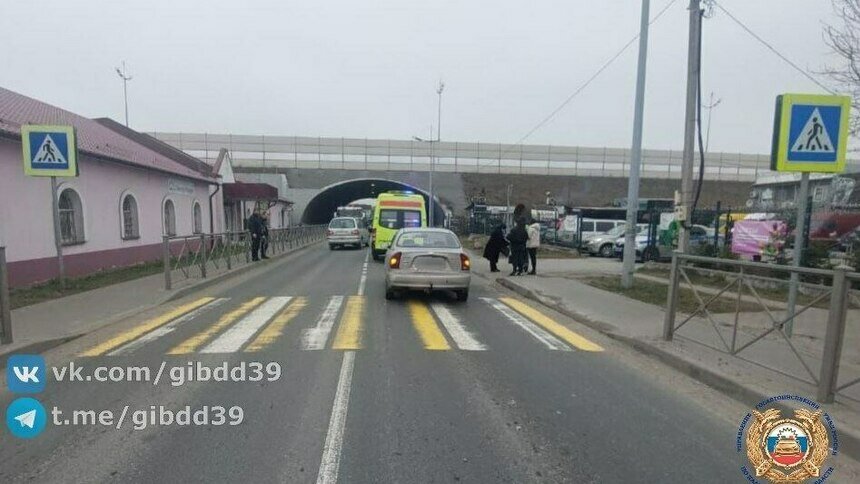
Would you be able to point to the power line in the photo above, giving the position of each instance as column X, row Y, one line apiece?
column 592, row 78
column 773, row 49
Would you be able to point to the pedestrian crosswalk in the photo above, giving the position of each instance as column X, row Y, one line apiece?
column 336, row 323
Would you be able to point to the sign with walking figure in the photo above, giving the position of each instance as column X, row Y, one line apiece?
column 810, row 133
column 49, row 150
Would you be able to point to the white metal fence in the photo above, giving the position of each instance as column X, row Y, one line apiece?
column 260, row 151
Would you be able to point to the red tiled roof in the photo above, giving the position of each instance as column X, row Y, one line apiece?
column 93, row 138
column 249, row 191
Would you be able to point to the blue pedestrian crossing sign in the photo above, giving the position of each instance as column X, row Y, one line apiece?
column 810, row 133
column 49, row 150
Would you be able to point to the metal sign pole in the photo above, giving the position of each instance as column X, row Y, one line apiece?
column 799, row 230
column 5, row 304
column 58, row 239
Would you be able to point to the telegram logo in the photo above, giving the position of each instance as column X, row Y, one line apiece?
column 26, row 418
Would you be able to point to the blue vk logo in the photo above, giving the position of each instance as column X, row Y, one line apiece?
column 26, row 373
column 26, row 418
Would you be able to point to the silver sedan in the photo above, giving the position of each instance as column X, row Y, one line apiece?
column 427, row 259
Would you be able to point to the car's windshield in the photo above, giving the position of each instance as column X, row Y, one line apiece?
column 428, row 239
column 342, row 223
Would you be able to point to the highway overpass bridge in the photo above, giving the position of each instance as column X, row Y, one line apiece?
column 324, row 173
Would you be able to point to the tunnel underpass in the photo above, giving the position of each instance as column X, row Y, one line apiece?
column 322, row 206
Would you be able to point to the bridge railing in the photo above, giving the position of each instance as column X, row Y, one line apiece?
column 456, row 157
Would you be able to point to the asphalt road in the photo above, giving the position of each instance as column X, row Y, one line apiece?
column 422, row 389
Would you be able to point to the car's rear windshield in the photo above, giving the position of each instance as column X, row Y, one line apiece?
column 342, row 223
column 399, row 219
column 435, row 240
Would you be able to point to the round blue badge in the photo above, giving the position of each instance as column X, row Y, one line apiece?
column 26, row 418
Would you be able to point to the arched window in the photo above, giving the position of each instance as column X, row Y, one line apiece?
column 71, row 217
column 169, row 218
column 130, row 227
column 197, row 218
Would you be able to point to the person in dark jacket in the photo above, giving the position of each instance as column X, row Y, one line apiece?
column 518, row 238
column 255, row 226
column 495, row 246
column 264, row 237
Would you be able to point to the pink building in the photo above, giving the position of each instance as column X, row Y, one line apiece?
column 132, row 190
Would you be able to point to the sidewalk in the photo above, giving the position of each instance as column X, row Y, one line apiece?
column 558, row 285
column 41, row 326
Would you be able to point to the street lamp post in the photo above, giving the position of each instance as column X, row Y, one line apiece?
column 125, row 78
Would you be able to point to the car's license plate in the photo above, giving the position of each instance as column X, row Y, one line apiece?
column 430, row 263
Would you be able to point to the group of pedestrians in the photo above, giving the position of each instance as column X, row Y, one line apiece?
column 520, row 245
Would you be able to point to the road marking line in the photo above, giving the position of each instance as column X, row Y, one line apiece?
column 194, row 342
column 145, row 327
column 276, row 328
column 462, row 337
column 547, row 339
column 363, row 281
column 167, row 328
column 349, row 333
column 425, row 325
column 315, row 338
column 330, row 462
column 234, row 338
column 552, row 326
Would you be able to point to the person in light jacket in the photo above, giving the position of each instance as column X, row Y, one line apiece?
column 532, row 245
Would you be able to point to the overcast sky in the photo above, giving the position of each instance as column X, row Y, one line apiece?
column 369, row 68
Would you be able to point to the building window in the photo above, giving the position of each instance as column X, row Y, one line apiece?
column 169, row 218
column 130, row 227
column 197, row 218
column 71, row 217
column 818, row 193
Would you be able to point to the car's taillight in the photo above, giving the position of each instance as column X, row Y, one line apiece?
column 394, row 261
column 465, row 263
column 329, row 232
column 355, row 232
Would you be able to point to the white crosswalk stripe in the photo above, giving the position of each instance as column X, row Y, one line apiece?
column 234, row 338
column 539, row 333
column 315, row 338
column 167, row 328
column 462, row 337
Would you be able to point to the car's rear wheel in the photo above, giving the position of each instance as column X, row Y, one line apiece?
column 606, row 250
column 463, row 295
column 330, row 246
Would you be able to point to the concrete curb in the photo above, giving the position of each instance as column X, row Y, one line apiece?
column 849, row 442
column 39, row 347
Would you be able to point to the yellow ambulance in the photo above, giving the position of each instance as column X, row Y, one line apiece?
column 394, row 210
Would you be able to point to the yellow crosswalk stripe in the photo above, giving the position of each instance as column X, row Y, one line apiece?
column 194, row 342
column 349, row 333
column 276, row 328
column 551, row 325
column 428, row 330
column 146, row 327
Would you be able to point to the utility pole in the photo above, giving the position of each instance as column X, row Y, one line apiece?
column 686, row 202
column 432, row 155
column 636, row 155
column 125, row 78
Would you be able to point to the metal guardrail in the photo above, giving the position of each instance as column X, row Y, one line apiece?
column 5, row 303
column 738, row 280
column 197, row 256
column 262, row 151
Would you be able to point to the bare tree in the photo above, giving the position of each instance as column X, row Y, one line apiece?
column 844, row 40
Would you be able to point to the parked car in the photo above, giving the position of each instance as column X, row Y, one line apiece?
column 699, row 235
column 604, row 244
column 594, row 227
column 427, row 259
column 343, row 231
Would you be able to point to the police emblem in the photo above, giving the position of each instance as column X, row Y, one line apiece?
column 784, row 450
